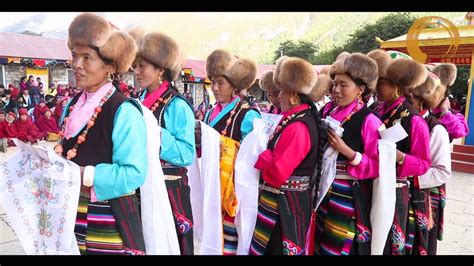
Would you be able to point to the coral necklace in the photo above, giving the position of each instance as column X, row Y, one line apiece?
column 82, row 137
column 356, row 109
column 385, row 122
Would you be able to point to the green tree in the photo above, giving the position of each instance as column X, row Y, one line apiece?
column 364, row 39
column 460, row 86
column 302, row 49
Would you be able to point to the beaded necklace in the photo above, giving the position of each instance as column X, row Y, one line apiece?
column 82, row 137
column 356, row 109
column 285, row 122
column 385, row 122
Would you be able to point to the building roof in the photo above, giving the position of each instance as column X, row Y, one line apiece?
column 29, row 46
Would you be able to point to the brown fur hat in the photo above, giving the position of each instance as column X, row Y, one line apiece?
column 267, row 84
column 137, row 34
column 323, row 85
column 406, row 73
column 218, row 62
column 278, row 63
column 92, row 30
column 426, row 90
column 383, row 59
column 358, row 66
column 162, row 51
column 296, row 74
column 447, row 73
column 325, row 70
column 240, row 72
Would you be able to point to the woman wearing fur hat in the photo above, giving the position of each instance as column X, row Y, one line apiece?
column 157, row 65
column 397, row 78
column 102, row 132
column 343, row 217
column 267, row 84
column 293, row 155
column 233, row 119
column 427, row 96
column 454, row 122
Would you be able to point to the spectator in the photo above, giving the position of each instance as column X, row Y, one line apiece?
column 23, row 84
column 48, row 126
column 51, row 90
column 26, row 130
column 27, row 102
column 35, row 93
column 7, row 129
column 8, row 103
column 39, row 110
column 15, row 92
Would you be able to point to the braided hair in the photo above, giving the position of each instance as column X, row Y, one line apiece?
column 322, row 140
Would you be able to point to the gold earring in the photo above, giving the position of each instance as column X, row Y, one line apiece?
column 110, row 77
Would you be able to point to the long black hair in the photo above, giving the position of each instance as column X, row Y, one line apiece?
column 322, row 140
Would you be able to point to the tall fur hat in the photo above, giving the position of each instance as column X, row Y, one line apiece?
column 323, row 85
column 383, row 59
column 447, row 73
column 406, row 73
column 429, row 91
column 267, row 84
column 278, row 63
column 137, row 34
column 94, row 31
column 297, row 75
column 240, row 72
column 357, row 66
column 162, row 51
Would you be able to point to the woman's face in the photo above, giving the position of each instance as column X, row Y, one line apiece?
column 273, row 97
column 89, row 69
column 285, row 100
column 222, row 89
column 385, row 90
column 345, row 91
column 147, row 75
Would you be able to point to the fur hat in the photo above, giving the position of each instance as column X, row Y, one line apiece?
column 406, row 73
column 266, row 82
column 137, row 34
column 296, row 74
column 383, row 59
column 357, row 66
column 325, row 70
column 322, row 87
column 161, row 51
column 94, row 31
column 447, row 73
column 426, row 90
column 278, row 63
column 240, row 72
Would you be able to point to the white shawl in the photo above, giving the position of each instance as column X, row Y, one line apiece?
column 204, row 180
column 159, row 229
column 246, row 184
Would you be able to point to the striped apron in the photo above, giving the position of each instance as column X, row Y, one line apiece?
column 283, row 218
column 344, row 216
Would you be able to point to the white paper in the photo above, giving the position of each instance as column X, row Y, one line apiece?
column 271, row 122
column 393, row 134
column 39, row 191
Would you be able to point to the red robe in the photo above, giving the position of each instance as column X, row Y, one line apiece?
column 27, row 131
column 7, row 130
column 38, row 112
column 58, row 110
column 47, row 125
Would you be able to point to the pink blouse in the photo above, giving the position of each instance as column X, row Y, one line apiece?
column 455, row 124
column 369, row 165
column 292, row 147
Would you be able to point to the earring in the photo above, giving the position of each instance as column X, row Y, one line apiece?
column 160, row 80
column 110, row 77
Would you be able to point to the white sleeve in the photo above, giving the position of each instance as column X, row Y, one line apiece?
column 440, row 153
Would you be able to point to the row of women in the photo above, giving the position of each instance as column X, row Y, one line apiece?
column 229, row 186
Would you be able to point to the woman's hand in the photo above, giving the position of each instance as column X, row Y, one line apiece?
column 338, row 144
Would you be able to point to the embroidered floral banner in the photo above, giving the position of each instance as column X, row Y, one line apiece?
column 39, row 191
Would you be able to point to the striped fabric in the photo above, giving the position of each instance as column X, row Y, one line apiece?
column 230, row 235
column 339, row 222
column 398, row 233
column 418, row 224
column 438, row 202
column 266, row 219
column 96, row 230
